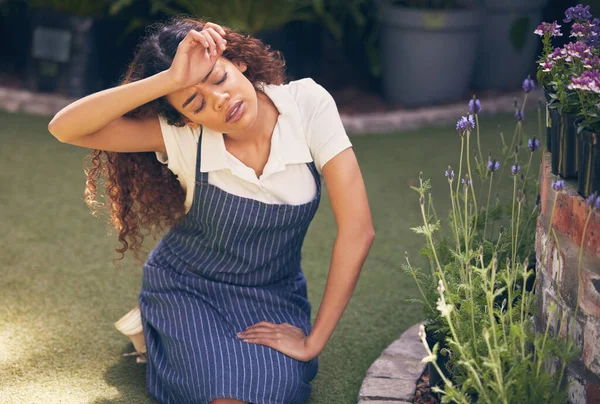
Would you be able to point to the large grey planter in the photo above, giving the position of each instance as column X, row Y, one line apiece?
column 508, row 47
column 427, row 55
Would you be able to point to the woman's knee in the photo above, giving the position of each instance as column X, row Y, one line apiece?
column 227, row 401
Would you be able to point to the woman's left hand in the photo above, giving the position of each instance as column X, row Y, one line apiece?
column 285, row 338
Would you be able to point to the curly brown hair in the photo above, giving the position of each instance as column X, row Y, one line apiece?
column 142, row 192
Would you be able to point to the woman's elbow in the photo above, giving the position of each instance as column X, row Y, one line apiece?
column 53, row 129
column 369, row 235
column 363, row 234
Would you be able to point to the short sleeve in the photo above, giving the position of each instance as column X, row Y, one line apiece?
column 170, row 139
column 325, row 133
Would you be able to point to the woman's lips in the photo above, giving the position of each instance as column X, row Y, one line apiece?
column 235, row 112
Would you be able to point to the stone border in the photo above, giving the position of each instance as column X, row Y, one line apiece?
column 393, row 377
column 378, row 123
column 18, row 100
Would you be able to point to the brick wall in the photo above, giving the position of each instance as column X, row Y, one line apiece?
column 558, row 281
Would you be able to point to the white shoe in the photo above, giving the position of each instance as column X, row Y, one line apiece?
column 131, row 326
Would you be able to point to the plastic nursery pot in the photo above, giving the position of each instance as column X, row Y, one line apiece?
column 589, row 163
column 554, row 122
column 564, row 145
column 435, row 379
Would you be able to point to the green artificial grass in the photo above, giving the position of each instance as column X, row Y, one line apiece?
column 60, row 293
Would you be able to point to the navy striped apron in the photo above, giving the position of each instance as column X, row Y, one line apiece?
column 231, row 263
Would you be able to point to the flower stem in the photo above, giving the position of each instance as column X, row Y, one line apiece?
column 466, row 226
column 527, row 172
column 454, row 224
column 432, row 244
column 478, row 139
column 517, row 230
column 462, row 147
column 487, row 208
column 512, row 220
column 510, row 149
column 471, row 178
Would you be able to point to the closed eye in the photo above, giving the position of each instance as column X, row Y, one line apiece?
column 222, row 80
column 201, row 106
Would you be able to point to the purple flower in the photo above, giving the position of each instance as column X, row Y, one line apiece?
column 474, row 106
column 547, row 65
column 588, row 81
column 591, row 61
column 558, row 185
column 528, row 85
column 549, row 29
column 450, row 174
column 493, row 165
column 466, row 183
column 582, row 30
column 591, row 200
column 557, row 54
column 465, row 124
column 516, row 169
column 519, row 114
column 578, row 13
column 593, row 39
column 533, row 144
column 576, row 50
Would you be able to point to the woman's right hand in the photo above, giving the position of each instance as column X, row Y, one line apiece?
column 196, row 55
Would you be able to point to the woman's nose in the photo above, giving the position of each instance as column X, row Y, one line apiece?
column 220, row 100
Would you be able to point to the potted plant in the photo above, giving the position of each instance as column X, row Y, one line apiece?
column 506, row 50
column 62, row 49
column 556, row 71
column 478, row 295
column 586, row 83
column 547, row 32
column 421, row 38
column 587, row 86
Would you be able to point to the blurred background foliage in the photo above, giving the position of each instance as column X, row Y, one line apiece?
column 336, row 42
column 312, row 34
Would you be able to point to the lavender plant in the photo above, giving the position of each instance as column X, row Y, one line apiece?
column 478, row 295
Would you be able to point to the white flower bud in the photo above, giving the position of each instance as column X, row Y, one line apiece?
column 440, row 287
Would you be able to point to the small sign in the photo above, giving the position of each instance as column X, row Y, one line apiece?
column 51, row 44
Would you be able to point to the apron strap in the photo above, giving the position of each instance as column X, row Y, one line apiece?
column 200, row 176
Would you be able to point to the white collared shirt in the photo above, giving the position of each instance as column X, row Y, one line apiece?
column 308, row 129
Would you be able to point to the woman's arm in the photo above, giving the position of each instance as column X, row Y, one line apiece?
column 93, row 112
column 352, row 244
column 195, row 56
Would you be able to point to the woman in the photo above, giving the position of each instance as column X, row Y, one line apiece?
column 204, row 136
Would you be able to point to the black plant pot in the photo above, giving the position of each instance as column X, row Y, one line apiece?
column 548, row 120
column 589, row 162
column 435, row 379
column 554, row 123
column 564, row 145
